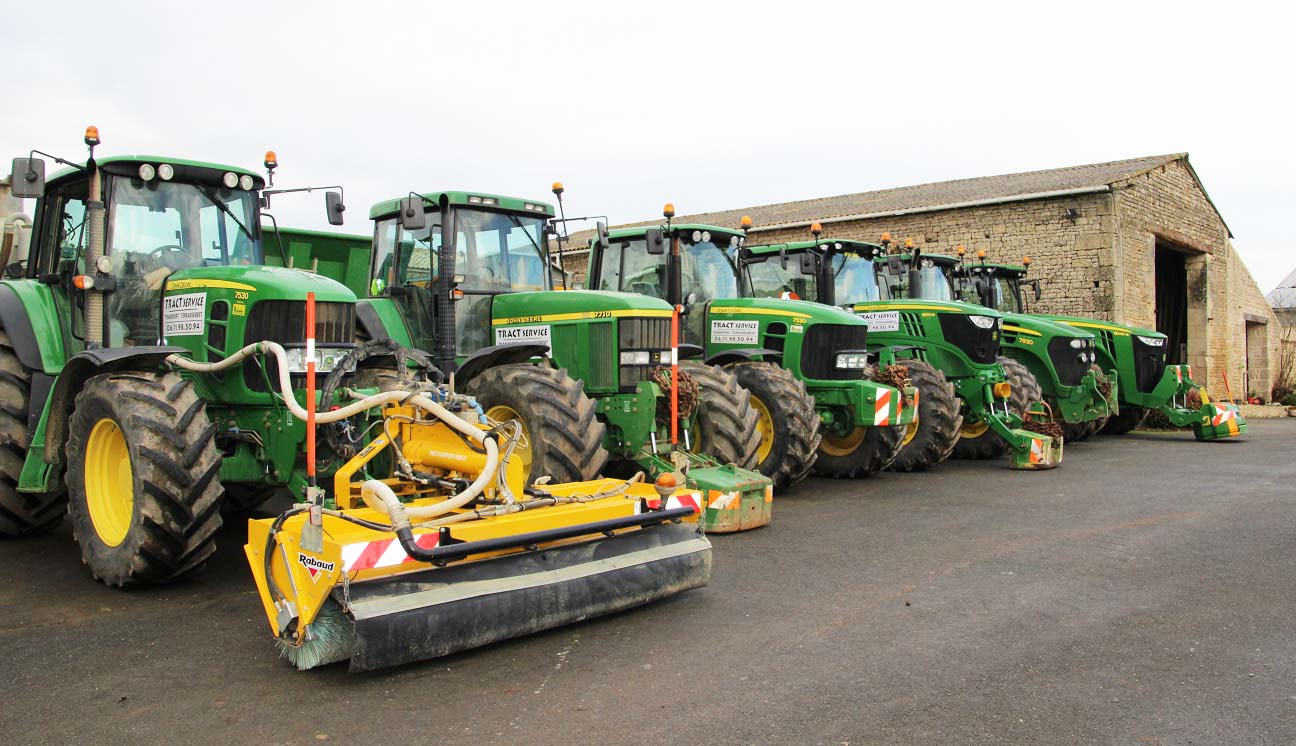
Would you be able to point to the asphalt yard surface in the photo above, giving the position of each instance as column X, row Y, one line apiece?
column 1141, row 594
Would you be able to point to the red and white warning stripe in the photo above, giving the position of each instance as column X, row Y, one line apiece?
column 682, row 500
column 368, row 555
column 1222, row 415
column 882, row 408
column 1037, row 450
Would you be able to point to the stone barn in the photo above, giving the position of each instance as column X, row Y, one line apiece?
column 1137, row 241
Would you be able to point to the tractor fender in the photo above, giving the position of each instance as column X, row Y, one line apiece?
column 81, row 368
column 370, row 322
column 742, row 355
column 689, row 351
column 490, row 357
column 17, row 322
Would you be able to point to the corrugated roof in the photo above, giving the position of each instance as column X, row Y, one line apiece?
column 1284, row 296
column 940, row 195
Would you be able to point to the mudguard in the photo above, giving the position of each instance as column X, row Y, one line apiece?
column 490, row 357
column 80, row 369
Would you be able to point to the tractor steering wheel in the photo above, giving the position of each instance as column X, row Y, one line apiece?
column 168, row 250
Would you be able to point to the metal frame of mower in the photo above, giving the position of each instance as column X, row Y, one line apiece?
column 1137, row 356
column 958, row 341
column 807, row 366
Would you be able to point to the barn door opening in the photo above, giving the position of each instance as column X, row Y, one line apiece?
column 1172, row 301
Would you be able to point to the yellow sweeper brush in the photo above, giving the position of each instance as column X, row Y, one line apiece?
column 448, row 549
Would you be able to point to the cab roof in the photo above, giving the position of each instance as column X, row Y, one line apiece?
column 476, row 199
column 155, row 160
column 639, row 230
column 795, row 246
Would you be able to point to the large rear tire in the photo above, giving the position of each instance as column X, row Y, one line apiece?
column 932, row 438
column 1129, row 418
column 21, row 513
column 725, row 425
column 143, row 478
column 564, row 440
column 978, row 441
column 786, row 421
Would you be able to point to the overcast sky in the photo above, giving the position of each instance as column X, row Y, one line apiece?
column 635, row 104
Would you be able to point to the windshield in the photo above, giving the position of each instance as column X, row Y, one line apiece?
column 855, row 279
column 766, row 278
column 1004, row 292
column 931, row 283
column 156, row 228
column 707, row 270
column 179, row 226
column 497, row 251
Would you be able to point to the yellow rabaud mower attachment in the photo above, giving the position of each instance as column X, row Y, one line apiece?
column 452, row 551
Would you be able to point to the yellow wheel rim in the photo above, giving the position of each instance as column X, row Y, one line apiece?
column 764, row 426
column 109, row 484
column 911, row 431
column 523, row 453
column 842, row 445
column 974, row 430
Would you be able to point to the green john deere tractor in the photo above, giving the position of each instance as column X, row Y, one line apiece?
column 1062, row 358
column 974, row 402
column 468, row 276
column 141, row 343
column 1137, row 355
column 806, row 366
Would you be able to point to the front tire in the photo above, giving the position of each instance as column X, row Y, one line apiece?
column 932, row 438
column 1129, row 418
column 978, row 441
column 564, row 438
column 725, row 425
column 21, row 513
column 143, row 478
column 786, row 421
column 863, row 452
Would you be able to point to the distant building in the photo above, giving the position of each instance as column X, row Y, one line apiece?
column 1283, row 300
column 1137, row 241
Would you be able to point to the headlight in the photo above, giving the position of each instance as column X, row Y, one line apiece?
column 1152, row 341
column 325, row 359
column 852, row 360
column 697, row 236
column 166, row 171
column 984, row 322
column 1077, row 343
column 1083, row 358
column 230, row 179
column 147, row 172
column 636, row 357
column 245, row 182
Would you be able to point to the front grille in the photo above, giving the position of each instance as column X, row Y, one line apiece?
column 981, row 345
column 652, row 334
column 1149, row 364
column 819, row 348
column 1066, row 361
column 284, row 321
column 910, row 324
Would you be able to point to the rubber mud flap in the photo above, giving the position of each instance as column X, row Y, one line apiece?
column 436, row 612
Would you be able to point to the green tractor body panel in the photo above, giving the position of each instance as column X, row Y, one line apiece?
column 944, row 333
column 585, row 332
column 803, row 337
column 209, row 312
column 1136, row 357
column 1059, row 356
column 342, row 257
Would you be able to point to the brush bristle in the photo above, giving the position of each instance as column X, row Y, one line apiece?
column 331, row 640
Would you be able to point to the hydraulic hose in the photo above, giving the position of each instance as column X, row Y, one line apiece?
column 467, row 429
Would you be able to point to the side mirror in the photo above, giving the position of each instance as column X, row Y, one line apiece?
column 807, row 262
column 28, row 178
column 783, row 257
column 1036, row 283
column 333, row 204
column 656, row 240
column 894, row 265
column 412, row 217
column 600, row 228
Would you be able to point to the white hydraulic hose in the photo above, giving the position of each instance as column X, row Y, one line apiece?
column 421, row 401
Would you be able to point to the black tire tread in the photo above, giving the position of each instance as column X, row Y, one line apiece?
column 726, row 422
column 1129, row 418
column 566, row 437
column 796, row 424
column 21, row 513
column 939, row 420
column 176, row 471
